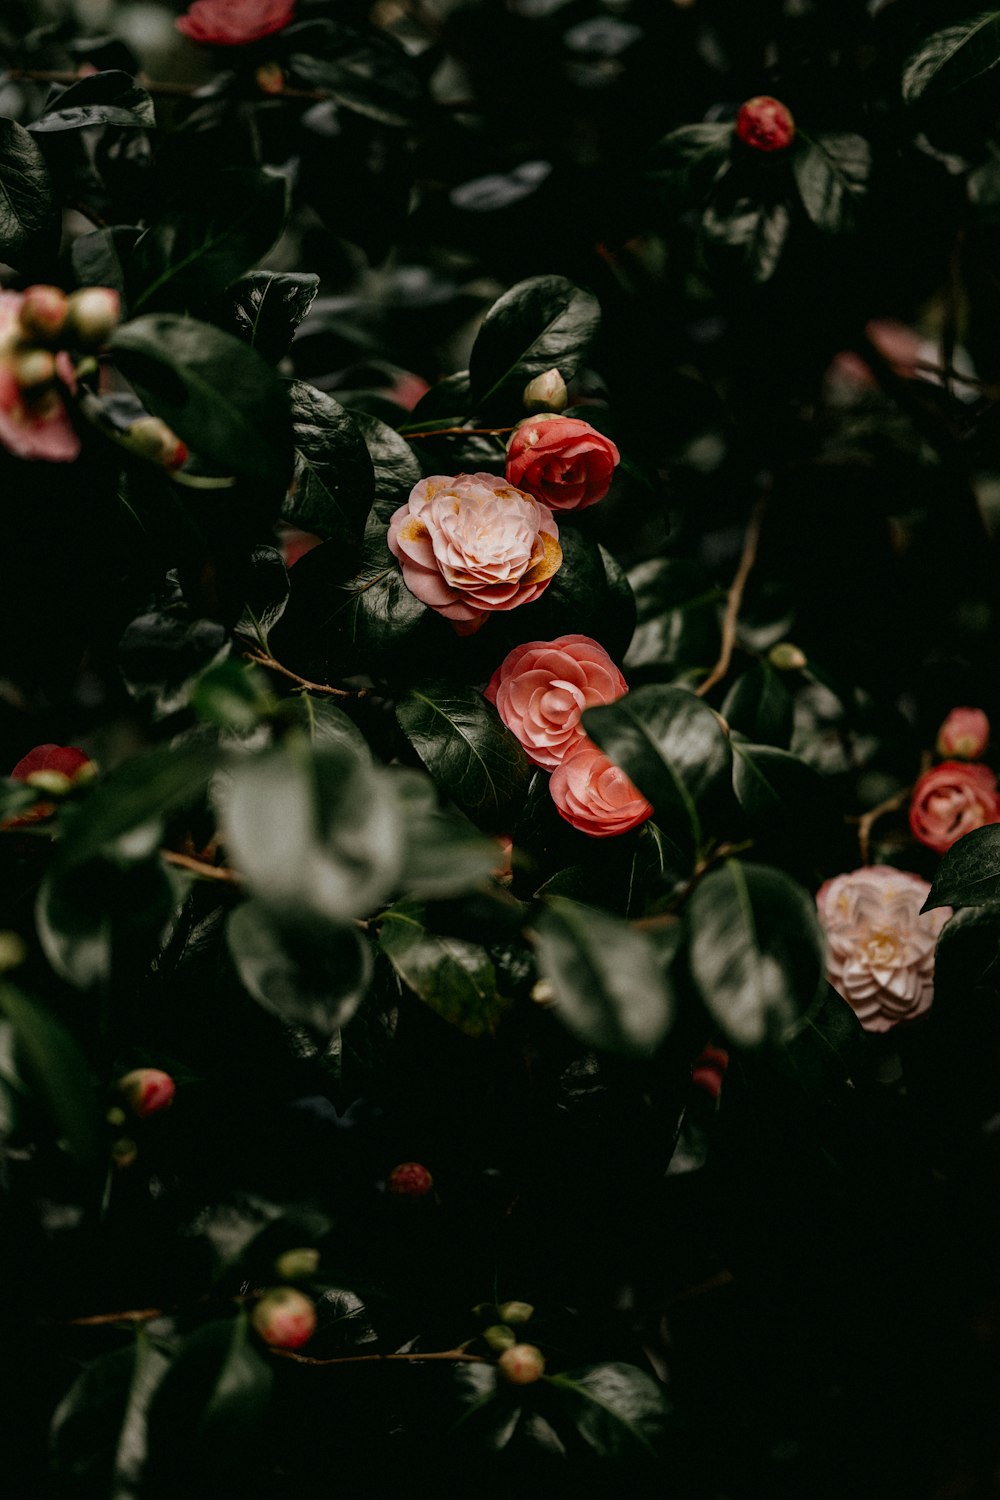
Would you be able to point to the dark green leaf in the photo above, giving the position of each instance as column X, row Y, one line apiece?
column 541, row 324
column 91, row 911
column 760, row 706
column 491, row 1409
column 266, row 307
column 325, row 724
column 684, row 163
column 467, row 748
column 215, row 393
column 774, row 787
column 756, row 950
column 678, row 617
column 951, row 59
column 674, row 749
column 334, row 486
column 29, row 209
column 367, row 73
column 374, row 611
column 16, row 797
column 109, row 98
column 618, row 1409
column 234, row 695
column 99, row 258
column 969, row 873
column 454, row 977
column 832, row 172
column 98, row 1434
column 745, row 234
column 397, row 468
column 608, row 979
column 446, row 855
column 202, row 241
column 58, row 1071
column 308, row 972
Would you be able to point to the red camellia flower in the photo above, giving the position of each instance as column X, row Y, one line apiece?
column 950, row 800
column 148, row 1091
column 765, row 124
column 965, row 733
column 46, row 763
column 591, row 792
column 473, row 544
column 541, row 689
column 284, row 1318
column 410, row 1180
column 565, row 463
column 232, row 23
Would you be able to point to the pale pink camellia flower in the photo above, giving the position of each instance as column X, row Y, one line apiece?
column 879, row 949
column 473, row 544
column 563, row 462
column 33, row 424
column 233, row 23
column 541, row 689
column 965, row 733
column 594, row 795
column 950, row 800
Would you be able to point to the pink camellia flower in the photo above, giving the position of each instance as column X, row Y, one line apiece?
column 232, row 23
column 34, row 422
column 474, row 544
column 147, row 1091
column 284, row 1318
column 595, row 796
column 541, row 689
column 879, row 949
column 950, row 800
column 565, row 463
column 965, row 733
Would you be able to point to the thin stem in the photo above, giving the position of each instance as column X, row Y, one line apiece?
column 866, row 822
column 102, row 1320
column 200, row 866
column 455, row 1355
column 454, row 432
column 262, row 659
column 734, row 598
column 163, row 90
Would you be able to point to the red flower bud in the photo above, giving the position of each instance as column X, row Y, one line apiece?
column 147, row 1090
column 284, row 1318
column 43, row 311
column 522, row 1365
column 410, row 1180
column 765, row 124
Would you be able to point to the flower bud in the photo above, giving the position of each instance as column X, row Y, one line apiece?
column 116, row 1117
column 43, row 311
column 546, row 393
column 56, row 783
column 410, row 1180
column 297, row 1265
column 284, row 1318
column 124, row 1152
column 12, row 951
column 516, row 1312
column 964, row 734
column 270, row 78
column 34, row 369
column 522, row 1365
column 147, row 1091
column 500, row 1337
column 151, row 438
column 94, row 312
column 786, row 657
column 765, row 124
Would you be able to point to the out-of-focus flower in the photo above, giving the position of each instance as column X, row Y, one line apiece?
column 473, row 544
column 147, row 1090
column 34, row 422
column 233, row 23
column 594, row 795
column 563, row 462
column 880, row 950
column 965, row 733
column 284, row 1318
column 542, row 688
column 950, row 800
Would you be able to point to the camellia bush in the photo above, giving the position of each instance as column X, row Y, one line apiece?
column 499, row 834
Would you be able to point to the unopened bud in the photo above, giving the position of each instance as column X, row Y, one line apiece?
column 12, row 951
column 964, row 735
column 297, row 1265
column 522, row 1365
column 34, row 369
column 116, row 1117
column 284, row 1318
column 765, row 124
column 500, row 1337
column 270, row 78
column 55, row 783
column 124, row 1152
column 546, row 393
column 410, row 1180
column 516, row 1312
column 94, row 312
column 147, row 1091
column 523, row 429
column 786, row 657
column 151, row 438
column 43, row 311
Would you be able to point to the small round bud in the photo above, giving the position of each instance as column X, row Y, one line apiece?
column 543, row 993
column 43, row 311
column 500, row 1337
column 284, row 1318
column 786, row 657
column 270, row 78
column 522, row 1365
column 410, row 1180
column 765, row 124
column 12, row 951
column 546, row 393
column 34, row 369
column 124, row 1152
column 116, row 1117
column 151, row 438
column 516, row 1312
column 94, row 313
column 297, row 1265
column 964, row 735
column 147, row 1091
column 56, row 783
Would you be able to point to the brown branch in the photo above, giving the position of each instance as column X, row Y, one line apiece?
column 263, row 660
column 456, row 432
column 163, row 90
column 200, row 866
column 454, row 1355
column 734, row 598
column 135, row 1315
column 866, row 822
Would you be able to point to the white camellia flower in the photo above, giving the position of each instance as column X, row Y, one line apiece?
column 880, row 950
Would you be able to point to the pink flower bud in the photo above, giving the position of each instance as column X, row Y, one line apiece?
column 270, row 78
column 151, row 438
column 765, row 124
column 147, row 1090
column 522, row 1365
column 43, row 311
column 410, row 1180
column 546, row 393
column 284, row 1318
column 964, row 734
column 94, row 313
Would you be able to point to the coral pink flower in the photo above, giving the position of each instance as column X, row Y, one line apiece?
column 232, row 23
column 541, row 689
column 33, row 424
column 950, row 800
column 880, row 950
column 965, row 733
column 595, row 796
column 474, row 544
column 565, row 463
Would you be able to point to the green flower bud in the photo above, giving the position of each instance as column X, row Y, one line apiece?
column 297, row 1265
column 500, row 1337
column 786, row 657
column 516, row 1312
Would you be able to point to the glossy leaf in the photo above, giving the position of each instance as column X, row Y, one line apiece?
column 760, row 706
column 397, row 468
column 775, row 788
column 446, row 855
column 266, row 307
column 745, row 234
column 59, row 1073
column 366, row 73
column 684, row 163
column 334, row 483
column 541, row 324
column 756, row 950
column 678, row 617
column 832, row 171
column 374, row 611
column 109, row 98
column 29, row 209
column 608, row 979
column 618, row 1410
column 310, row 973
column 969, row 872
column 454, row 977
column 87, row 914
column 467, row 748
column 99, row 258
column 951, row 59
column 234, row 695
column 98, row 1432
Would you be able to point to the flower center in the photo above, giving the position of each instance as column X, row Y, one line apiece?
column 882, row 948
